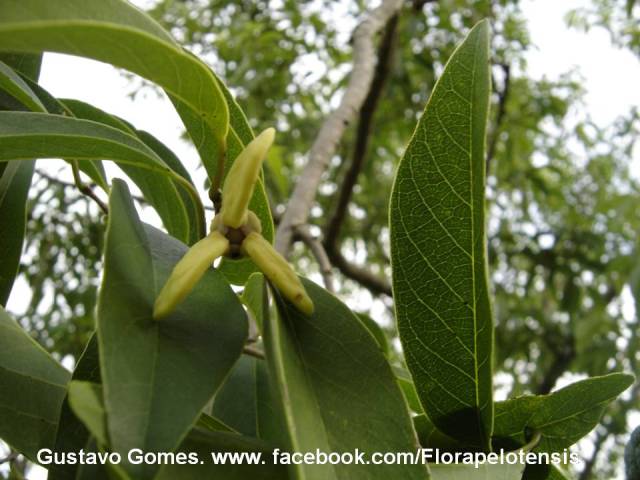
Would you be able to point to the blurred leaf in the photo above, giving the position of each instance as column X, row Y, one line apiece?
column 72, row 435
column 39, row 135
column 14, row 188
column 438, row 248
column 32, row 388
column 28, row 64
column 11, row 83
column 94, row 170
column 15, row 177
column 181, row 360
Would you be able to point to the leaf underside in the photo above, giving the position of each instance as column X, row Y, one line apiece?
column 438, row 249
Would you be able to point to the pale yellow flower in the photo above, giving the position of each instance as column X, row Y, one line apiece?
column 235, row 231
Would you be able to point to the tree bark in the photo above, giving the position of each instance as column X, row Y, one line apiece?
column 324, row 146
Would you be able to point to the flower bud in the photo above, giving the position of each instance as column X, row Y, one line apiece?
column 188, row 271
column 241, row 179
column 278, row 271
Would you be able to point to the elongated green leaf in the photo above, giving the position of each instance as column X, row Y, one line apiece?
column 26, row 64
column 39, row 135
column 235, row 402
column 32, row 388
column 159, row 190
column 431, row 437
column 562, row 417
column 255, row 297
column 207, row 422
column 150, row 367
column 94, row 169
column 72, row 435
column 483, row 472
column 14, row 188
column 171, row 159
column 438, row 249
column 208, row 438
column 557, row 473
column 376, row 331
column 13, row 84
column 156, row 191
column 336, row 388
column 545, row 471
column 85, row 399
column 206, row 444
column 115, row 32
column 15, row 181
column 270, row 422
column 408, row 389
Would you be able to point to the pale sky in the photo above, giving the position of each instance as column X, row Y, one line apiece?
column 611, row 78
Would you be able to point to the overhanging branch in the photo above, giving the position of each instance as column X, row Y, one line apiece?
column 330, row 134
column 332, row 233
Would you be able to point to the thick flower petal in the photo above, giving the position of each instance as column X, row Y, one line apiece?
column 278, row 271
column 188, row 271
column 241, row 179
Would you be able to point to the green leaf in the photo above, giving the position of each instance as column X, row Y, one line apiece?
column 255, row 297
column 95, row 169
column 72, row 435
column 85, row 399
column 171, row 159
column 562, row 417
column 545, row 471
column 438, row 249
column 15, row 181
column 13, row 84
column 209, row 436
column 271, row 426
column 207, row 422
column 148, row 367
column 206, row 443
column 14, row 189
column 39, row 135
column 431, row 437
column 114, row 31
column 483, row 472
column 235, row 402
column 336, row 388
column 376, row 331
column 32, row 388
column 557, row 473
column 157, row 189
column 408, row 389
column 27, row 64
